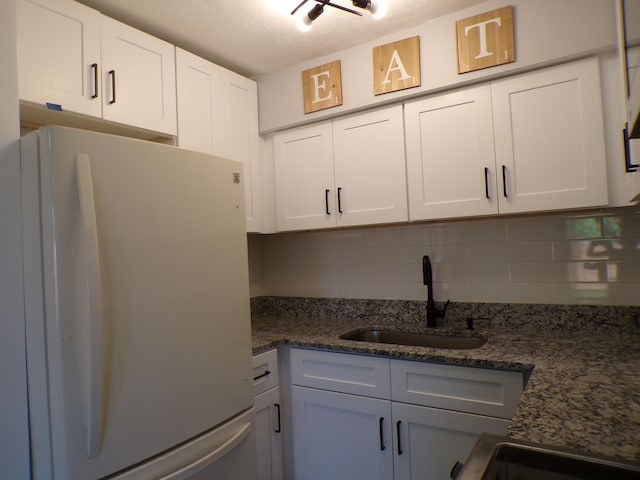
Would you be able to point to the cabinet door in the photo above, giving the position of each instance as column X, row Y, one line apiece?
column 239, row 128
column 370, row 173
column 303, row 163
column 450, row 155
column 549, row 139
column 339, row 436
column 58, row 46
column 139, row 80
column 429, row 441
column 199, row 100
column 268, row 435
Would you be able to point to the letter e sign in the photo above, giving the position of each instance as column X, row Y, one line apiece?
column 485, row 40
column 396, row 66
column 322, row 87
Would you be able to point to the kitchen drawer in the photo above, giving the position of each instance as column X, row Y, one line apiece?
column 341, row 372
column 265, row 371
column 475, row 390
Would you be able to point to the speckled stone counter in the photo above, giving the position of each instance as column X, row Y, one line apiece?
column 582, row 364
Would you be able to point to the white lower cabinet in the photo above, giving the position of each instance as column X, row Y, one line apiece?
column 429, row 441
column 268, row 420
column 341, row 435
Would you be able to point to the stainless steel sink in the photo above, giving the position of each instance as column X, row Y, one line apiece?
column 496, row 457
column 432, row 340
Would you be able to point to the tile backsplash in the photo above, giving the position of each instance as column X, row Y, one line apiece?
column 567, row 258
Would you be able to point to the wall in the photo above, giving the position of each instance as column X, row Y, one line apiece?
column 569, row 258
column 14, row 446
column 546, row 31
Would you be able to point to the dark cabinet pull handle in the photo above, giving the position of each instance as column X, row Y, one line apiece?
column 398, row 432
column 339, row 200
column 94, row 67
column 382, row 447
column 112, row 74
column 262, row 375
column 486, row 182
column 326, row 202
column 279, row 429
column 504, row 180
column 628, row 166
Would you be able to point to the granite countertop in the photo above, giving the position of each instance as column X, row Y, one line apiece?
column 583, row 385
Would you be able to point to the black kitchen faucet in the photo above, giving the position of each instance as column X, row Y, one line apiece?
column 432, row 311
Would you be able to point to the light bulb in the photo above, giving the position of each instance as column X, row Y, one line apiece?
column 303, row 23
column 378, row 8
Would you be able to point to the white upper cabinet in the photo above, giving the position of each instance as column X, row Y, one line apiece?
column 240, row 137
column 370, row 174
column 218, row 114
column 345, row 172
column 71, row 58
column 138, row 75
column 549, row 149
column 549, row 135
column 304, row 178
column 199, row 103
column 450, row 155
column 59, row 55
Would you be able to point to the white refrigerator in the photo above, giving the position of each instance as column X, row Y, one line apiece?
column 137, row 310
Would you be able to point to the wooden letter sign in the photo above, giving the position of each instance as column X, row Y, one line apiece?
column 322, row 87
column 396, row 66
column 485, row 40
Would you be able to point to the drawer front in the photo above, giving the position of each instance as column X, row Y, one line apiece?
column 265, row 371
column 341, row 372
column 475, row 390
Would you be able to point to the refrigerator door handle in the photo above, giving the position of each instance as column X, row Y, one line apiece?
column 210, row 458
column 94, row 300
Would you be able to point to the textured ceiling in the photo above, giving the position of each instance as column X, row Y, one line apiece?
column 255, row 37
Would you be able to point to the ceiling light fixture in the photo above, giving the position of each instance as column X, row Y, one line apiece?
column 378, row 9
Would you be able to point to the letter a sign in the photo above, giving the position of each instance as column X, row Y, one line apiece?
column 485, row 40
column 396, row 66
column 322, row 87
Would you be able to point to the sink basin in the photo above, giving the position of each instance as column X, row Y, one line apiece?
column 494, row 456
column 432, row 340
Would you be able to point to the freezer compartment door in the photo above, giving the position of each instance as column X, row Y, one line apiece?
column 227, row 452
column 146, row 298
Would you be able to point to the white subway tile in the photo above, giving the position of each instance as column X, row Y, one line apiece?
column 369, row 256
column 398, row 236
column 512, row 292
column 539, row 272
column 510, row 252
column 483, row 231
column 469, row 272
column 437, row 254
column 598, row 293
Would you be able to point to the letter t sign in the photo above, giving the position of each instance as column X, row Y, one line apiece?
column 485, row 40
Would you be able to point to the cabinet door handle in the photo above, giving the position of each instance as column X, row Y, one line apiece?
column 279, row 429
column 504, row 180
column 94, row 68
column 112, row 74
column 262, row 375
column 628, row 166
column 326, row 202
column 486, row 182
column 398, row 435
column 382, row 447
column 339, row 200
